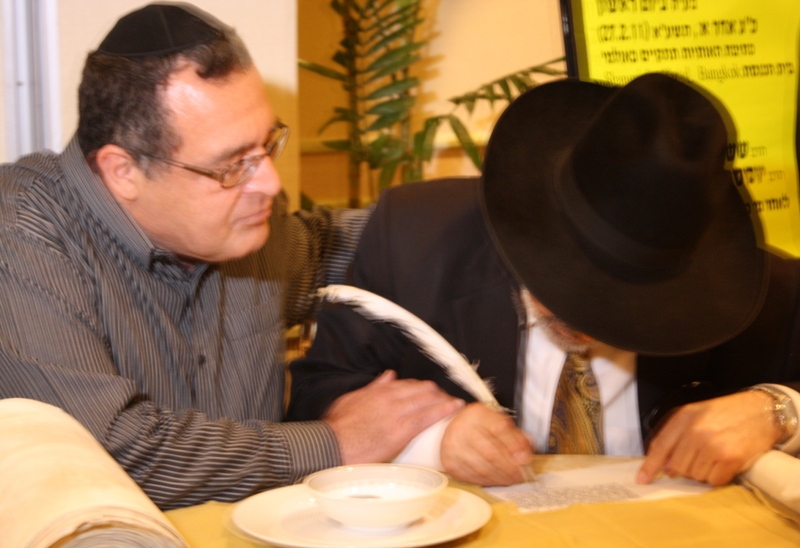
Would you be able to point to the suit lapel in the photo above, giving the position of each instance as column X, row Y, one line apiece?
column 487, row 323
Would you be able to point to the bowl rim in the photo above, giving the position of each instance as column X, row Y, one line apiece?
column 443, row 479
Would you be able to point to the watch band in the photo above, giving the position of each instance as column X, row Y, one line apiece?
column 783, row 410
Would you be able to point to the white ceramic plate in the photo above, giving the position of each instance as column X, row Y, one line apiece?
column 289, row 517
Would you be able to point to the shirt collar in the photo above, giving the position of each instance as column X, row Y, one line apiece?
column 527, row 305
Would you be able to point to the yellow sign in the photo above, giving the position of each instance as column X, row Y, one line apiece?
column 744, row 52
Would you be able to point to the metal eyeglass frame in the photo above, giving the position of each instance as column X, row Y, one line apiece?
column 242, row 171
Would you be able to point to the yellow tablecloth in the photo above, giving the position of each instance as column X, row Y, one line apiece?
column 726, row 517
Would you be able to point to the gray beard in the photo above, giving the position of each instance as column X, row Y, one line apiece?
column 555, row 337
column 548, row 325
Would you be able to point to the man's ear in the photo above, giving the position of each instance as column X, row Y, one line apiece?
column 119, row 171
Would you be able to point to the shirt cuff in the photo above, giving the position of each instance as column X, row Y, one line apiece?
column 311, row 446
column 425, row 449
column 792, row 445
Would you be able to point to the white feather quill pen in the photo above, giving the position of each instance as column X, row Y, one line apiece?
column 432, row 344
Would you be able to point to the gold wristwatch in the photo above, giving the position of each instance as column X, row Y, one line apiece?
column 783, row 410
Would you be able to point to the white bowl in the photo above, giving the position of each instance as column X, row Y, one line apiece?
column 376, row 496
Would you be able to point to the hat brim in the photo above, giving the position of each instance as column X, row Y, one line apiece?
column 711, row 299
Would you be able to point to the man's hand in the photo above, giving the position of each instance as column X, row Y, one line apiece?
column 713, row 440
column 483, row 446
column 375, row 423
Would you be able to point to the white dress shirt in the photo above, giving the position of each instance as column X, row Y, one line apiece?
column 615, row 371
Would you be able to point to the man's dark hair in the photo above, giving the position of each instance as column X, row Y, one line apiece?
column 120, row 98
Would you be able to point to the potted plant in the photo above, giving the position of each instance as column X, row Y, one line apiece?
column 374, row 62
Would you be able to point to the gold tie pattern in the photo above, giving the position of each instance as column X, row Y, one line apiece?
column 576, row 426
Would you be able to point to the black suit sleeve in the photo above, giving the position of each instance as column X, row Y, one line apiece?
column 348, row 351
column 425, row 248
column 768, row 351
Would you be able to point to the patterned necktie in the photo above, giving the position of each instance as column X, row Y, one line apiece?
column 576, row 426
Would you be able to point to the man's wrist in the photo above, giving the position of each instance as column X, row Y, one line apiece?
column 783, row 411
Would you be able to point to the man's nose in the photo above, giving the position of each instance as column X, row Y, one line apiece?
column 265, row 180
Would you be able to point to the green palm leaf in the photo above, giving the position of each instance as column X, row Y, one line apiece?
column 465, row 140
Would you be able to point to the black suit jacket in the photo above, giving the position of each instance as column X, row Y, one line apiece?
column 428, row 249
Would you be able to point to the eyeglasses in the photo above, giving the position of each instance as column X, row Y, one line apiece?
column 242, row 171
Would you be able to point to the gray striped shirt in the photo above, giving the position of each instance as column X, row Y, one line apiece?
column 180, row 375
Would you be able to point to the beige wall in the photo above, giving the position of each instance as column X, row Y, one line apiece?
column 3, row 145
column 473, row 42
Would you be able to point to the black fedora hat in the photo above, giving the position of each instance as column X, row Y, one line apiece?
column 613, row 207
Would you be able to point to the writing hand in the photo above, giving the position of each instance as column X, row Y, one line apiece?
column 483, row 446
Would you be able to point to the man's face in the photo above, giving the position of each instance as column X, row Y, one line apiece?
column 218, row 122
